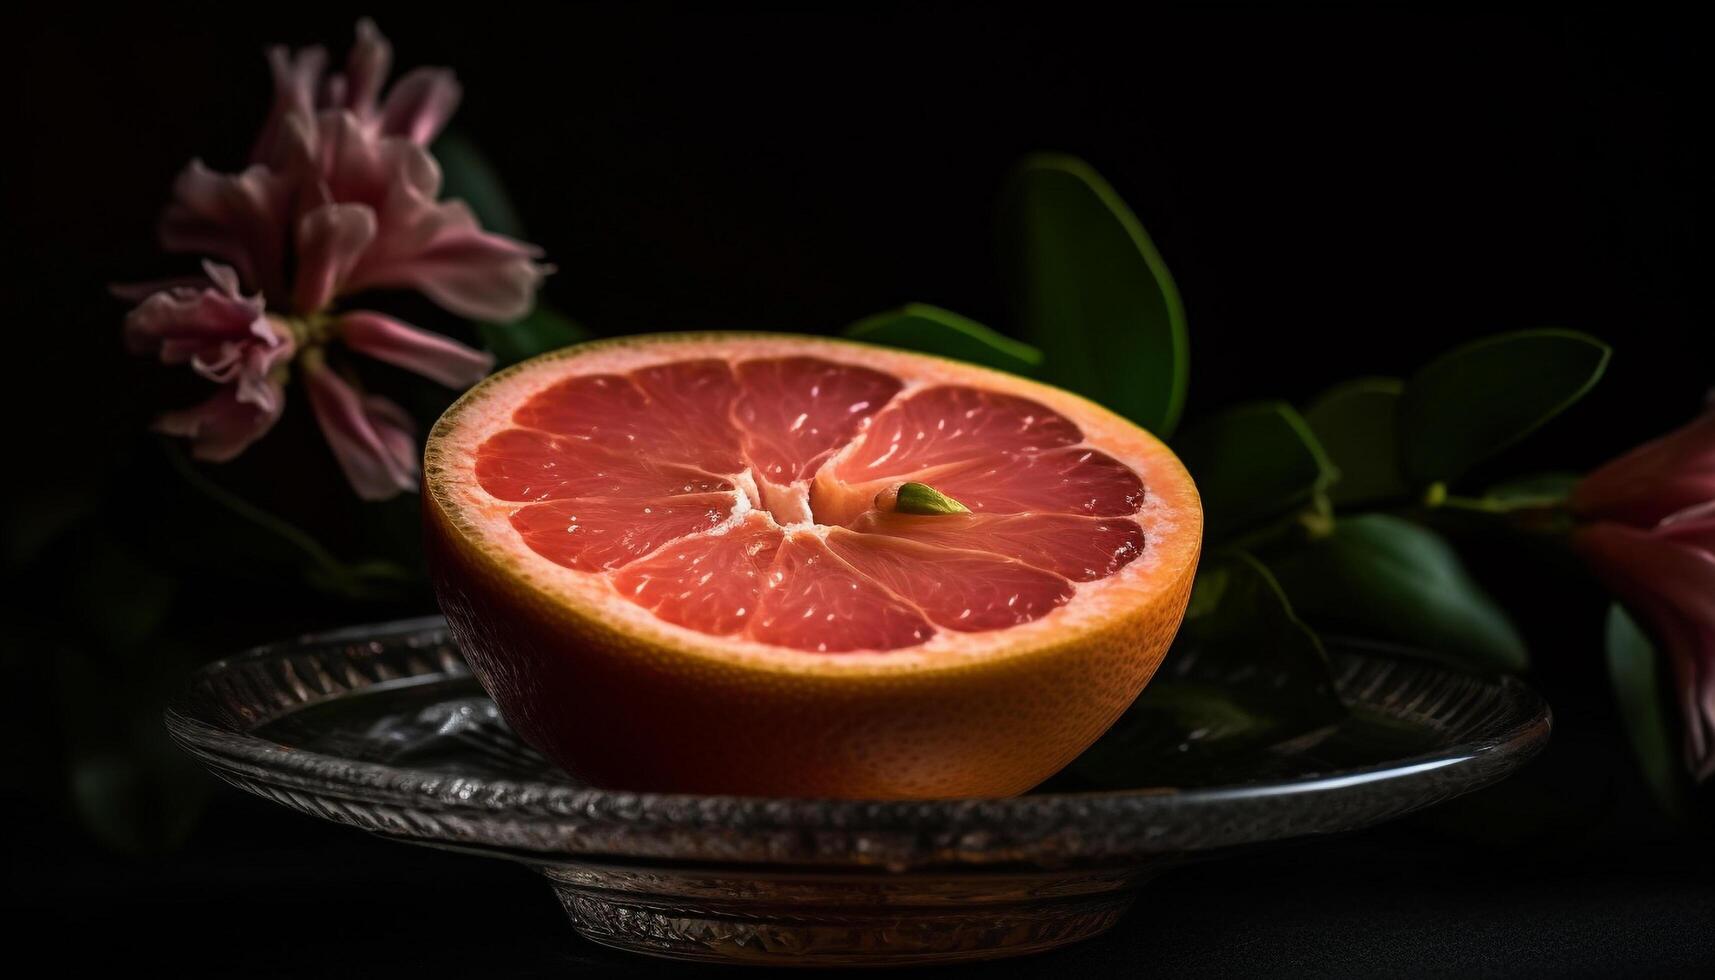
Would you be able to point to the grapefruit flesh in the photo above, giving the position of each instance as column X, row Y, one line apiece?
column 678, row 563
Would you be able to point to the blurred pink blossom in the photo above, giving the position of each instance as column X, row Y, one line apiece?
column 340, row 197
column 1650, row 535
column 332, row 143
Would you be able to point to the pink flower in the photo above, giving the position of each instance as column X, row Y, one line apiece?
column 1651, row 537
column 334, row 142
column 341, row 196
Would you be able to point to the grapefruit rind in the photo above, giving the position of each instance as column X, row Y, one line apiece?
column 623, row 699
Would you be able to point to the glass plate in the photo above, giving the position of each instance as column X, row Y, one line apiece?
column 382, row 727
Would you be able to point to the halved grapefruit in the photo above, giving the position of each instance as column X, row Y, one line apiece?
column 685, row 562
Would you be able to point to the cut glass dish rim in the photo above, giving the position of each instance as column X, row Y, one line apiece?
column 225, row 702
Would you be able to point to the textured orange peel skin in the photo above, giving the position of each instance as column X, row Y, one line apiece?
column 626, row 708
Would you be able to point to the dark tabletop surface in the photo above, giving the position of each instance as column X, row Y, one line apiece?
column 259, row 891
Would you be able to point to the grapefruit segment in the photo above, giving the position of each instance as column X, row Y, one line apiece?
column 680, row 563
column 614, row 412
column 1071, row 480
column 1079, row 548
column 594, row 534
column 528, row 464
column 816, row 602
column 795, row 411
column 960, row 590
column 951, row 424
column 707, row 582
column 1074, row 480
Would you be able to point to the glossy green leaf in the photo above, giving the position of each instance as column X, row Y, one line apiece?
column 1475, row 401
column 541, row 331
column 1634, row 669
column 932, row 330
column 1259, row 677
column 1238, row 606
column 1092, row 292
column 1254, row 464
column 1384, row 577
column 1356, row 423
column 466, row 175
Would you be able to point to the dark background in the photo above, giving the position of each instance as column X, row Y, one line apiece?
column 1338, row 191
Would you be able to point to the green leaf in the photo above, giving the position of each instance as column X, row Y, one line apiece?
column 1384, row 577
column 466, row 175
column 1093, row 293
column 1237, row 605
column 1356, row 424
column 1634, row 669
column 1254, row 464
column 541, row 331
column 1261, row 678
column 1477, row 400
column 932, row 330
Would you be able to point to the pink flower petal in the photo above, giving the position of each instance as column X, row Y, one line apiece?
column 238, row 218
column 181, row 322
column 1694, row 527
column 250, row 364
column 296, row 78
column 398, row 434
column 1655, row 480
column 419, row 105
column 372, row 439
column 331, row 240
column 1670, row 585
column 356, row 165
column 431, row 355
column 439, row 249
column 223, row 426
column 366, row 68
